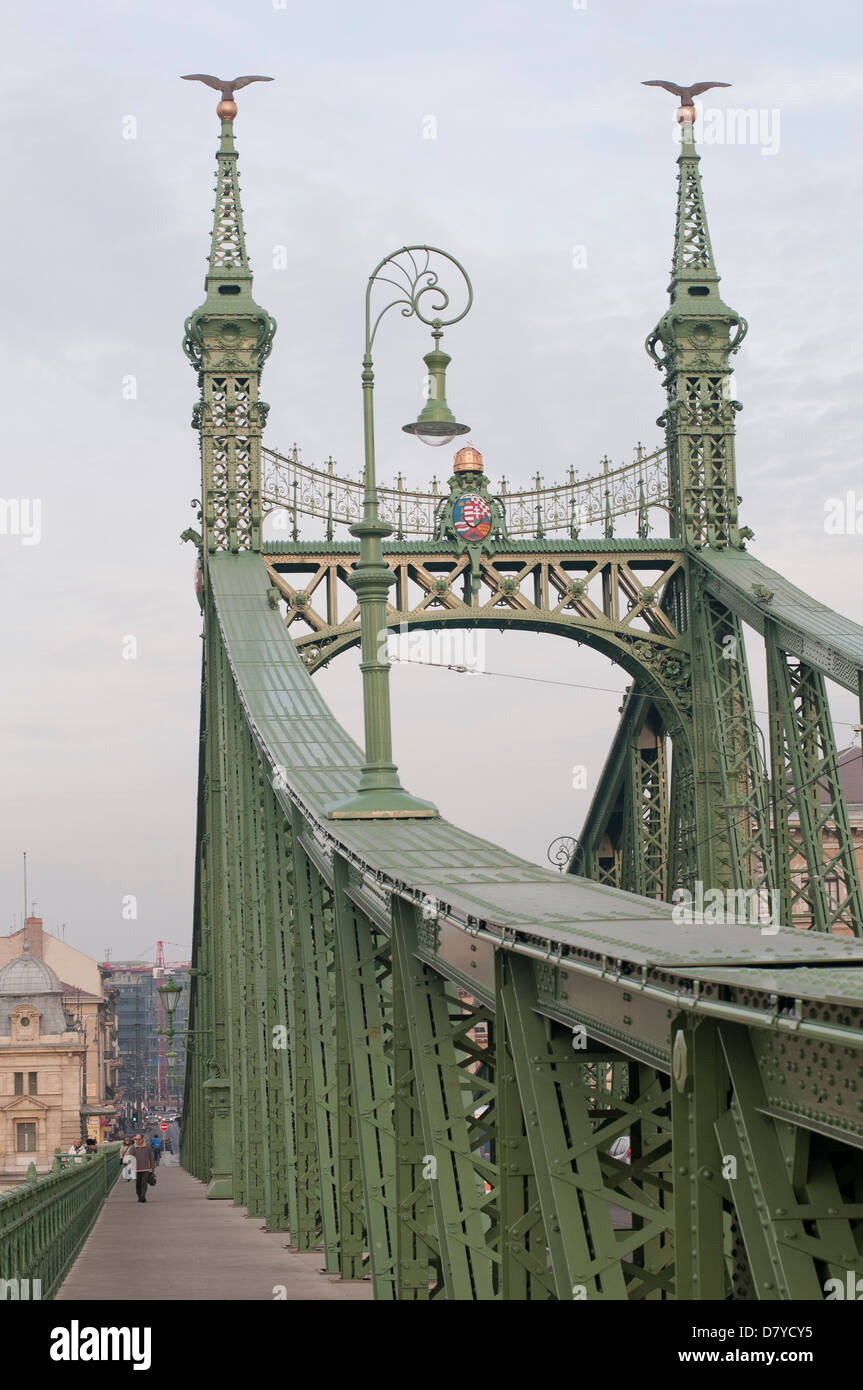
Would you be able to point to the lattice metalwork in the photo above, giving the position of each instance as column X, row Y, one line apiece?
column 644, row 852
column 228, row 250
column 293, row 490
column 591, row 591
column 816, row 868
column 698, row 334
column 692, row 250
column 744, row 812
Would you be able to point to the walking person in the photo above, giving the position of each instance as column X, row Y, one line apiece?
column 127, row 1158
column 143, row 1155
column 156, row 1146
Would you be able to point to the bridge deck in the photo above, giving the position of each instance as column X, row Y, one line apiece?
column 184, row 1247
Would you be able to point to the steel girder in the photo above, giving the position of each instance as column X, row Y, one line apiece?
column 624, row 840
column 365, row 990
column 614, row 588
column 816, row 866
column 713, row 823
column 316, row 1005
column 453, row 1075
column 743, row 776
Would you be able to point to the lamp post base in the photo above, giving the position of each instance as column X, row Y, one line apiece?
column 382, row 804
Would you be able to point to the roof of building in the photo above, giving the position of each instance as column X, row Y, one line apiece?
column 76, row 992
column 29, row 980
column 27, row 974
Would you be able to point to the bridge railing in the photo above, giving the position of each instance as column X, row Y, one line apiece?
column 555, row 509
column 45, row 1220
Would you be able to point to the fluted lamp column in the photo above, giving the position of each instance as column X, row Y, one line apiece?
column 380, row 795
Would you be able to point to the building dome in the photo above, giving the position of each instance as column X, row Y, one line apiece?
column 28, row 980
column 27, row 974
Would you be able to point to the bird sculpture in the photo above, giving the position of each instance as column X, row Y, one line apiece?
column 686, row 112
column 227, row 107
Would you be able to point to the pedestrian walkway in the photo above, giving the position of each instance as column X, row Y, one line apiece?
column 185, row 1247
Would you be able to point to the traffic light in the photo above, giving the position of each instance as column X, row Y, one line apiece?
column 134, row 1118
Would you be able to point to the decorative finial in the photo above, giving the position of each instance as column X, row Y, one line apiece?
column 227, row 107
column 468, row 460
column 686, row 112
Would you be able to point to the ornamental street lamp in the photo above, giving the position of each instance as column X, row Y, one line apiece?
column 380, row 795
column 169, row 993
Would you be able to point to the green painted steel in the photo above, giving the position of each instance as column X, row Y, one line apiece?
column 459, row 1073
column 45, row 1220
column 292, row 490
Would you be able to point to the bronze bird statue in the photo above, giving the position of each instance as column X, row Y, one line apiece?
column 686, row 94
column 227, row 107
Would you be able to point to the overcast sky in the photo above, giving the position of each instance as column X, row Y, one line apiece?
column 545, row 141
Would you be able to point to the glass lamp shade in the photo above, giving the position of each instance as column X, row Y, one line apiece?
column 170, row 993
column 435, row 432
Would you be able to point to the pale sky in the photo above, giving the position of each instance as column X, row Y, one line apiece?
column 545, row 140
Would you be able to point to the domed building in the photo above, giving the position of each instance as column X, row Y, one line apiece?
column 40, row 1069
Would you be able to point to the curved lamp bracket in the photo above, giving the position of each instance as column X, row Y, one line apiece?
column 416, row 278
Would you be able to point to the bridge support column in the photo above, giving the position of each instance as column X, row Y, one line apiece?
column 767, row 1183
column 816, row 865
column 448, row 1101
column 524, row 1270
column 556, row 1095
column 699, row 1098
column 350, row 1182
column 313, row 935
column 219, row 1093
column 278, row 886
column 364, row 967
column 419, row 1272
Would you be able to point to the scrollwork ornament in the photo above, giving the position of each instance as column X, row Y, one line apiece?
column 417, row 279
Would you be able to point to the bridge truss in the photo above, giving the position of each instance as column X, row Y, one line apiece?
column 464, row 1075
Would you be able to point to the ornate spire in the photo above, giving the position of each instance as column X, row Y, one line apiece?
column 692, row 261
column 227, row 340
column 228, row 258
column 698, row 333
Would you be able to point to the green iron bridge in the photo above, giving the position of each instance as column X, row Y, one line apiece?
column 459, row 1073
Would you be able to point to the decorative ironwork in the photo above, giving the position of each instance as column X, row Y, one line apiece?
column 297, row 489
column 227, row 340
column 414, row 283
column 561, row 851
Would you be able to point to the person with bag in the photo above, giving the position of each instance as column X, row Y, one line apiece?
column 127, row 1157
column 145, row 1176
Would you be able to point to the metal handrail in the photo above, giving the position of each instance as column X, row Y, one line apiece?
column 45, row 1220
column 561, row 508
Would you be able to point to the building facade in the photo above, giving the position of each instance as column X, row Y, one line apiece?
column 88, row 999
column 144, row 1074
column 41, row 1069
